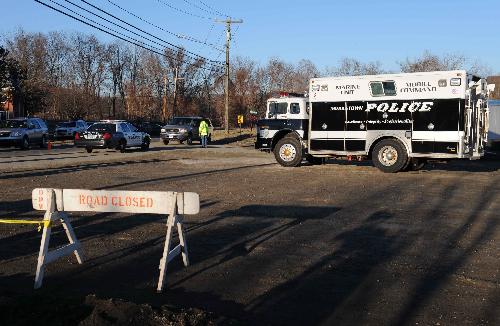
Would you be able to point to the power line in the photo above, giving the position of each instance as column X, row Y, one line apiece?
column 96, row 27
column 113, row 30
column 203, row 3
column 209, row 11
column 121, row 20
column 184, row 11
column 103, row 26
column 116, row 34
column 209, row 31
column 180, row 36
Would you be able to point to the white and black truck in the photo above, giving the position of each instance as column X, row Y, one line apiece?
column 399, row 121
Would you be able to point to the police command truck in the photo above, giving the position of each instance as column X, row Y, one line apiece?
column 399, row 121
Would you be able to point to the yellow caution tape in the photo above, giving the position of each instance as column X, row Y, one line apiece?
column 40, row 223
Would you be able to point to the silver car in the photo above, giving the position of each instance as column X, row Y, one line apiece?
column 70, row 129
column 24, row 132
column 184, row 129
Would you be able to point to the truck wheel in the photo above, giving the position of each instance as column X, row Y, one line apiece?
column 89, row 149
column 390, row 156
column 288, row 152
column 165, row 141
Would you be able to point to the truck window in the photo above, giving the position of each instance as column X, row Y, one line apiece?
column 295, row 108
column 385, row 88
column 277, row 108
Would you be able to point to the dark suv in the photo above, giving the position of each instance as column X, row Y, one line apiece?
column 24, row 132
column 184, row 129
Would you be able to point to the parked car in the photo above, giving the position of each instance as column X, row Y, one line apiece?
column 24, row 132
column 151, row 128
column 116, row 134
column 184, row 129
column 66, row 130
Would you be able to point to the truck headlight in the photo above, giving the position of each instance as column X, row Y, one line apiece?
column 182, row 130
column 163, row 130
column 16, row 134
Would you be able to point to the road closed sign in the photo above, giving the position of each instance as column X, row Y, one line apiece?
column 147, row 202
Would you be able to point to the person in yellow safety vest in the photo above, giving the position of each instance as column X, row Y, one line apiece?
column 203, row 130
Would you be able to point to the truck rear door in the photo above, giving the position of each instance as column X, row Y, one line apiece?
column 476, row 118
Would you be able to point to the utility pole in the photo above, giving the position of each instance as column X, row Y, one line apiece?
column 228, row 23
column 164, row 104
column 176, row 78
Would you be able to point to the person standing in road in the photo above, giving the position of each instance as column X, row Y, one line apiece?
column 203, row 130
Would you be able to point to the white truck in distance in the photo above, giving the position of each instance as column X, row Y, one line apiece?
column 397, row 120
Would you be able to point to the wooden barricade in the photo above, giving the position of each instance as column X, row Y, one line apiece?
column 56, row 202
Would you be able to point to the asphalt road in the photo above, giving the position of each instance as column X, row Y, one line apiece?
column 65, row 153
column 338, row 244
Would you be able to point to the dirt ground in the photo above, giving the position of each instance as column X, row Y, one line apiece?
column 340, row 244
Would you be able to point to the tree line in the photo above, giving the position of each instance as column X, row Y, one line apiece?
column 65, row 76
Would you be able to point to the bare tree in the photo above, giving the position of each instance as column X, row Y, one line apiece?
column 432, row 62
column 303, row 73
column 89, row 62
column 119, row 59
column 354, row 67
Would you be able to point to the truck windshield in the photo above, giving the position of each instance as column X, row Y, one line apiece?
column 277, row 108
column 180, row 121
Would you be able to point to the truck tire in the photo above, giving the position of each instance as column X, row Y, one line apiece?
column 288, row 152
column 166, row 141
column 390, row 156
column 89, row 149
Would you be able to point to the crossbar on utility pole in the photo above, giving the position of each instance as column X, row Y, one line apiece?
column 228, row 23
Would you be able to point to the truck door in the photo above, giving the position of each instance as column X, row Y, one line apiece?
column 355, row 126
column 328, row 120
column 296, row 119
column 476, row 119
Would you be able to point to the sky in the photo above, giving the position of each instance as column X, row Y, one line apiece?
column 323, row 31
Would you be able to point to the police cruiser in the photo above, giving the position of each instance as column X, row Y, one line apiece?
column 397, row 120
column 117, row 134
